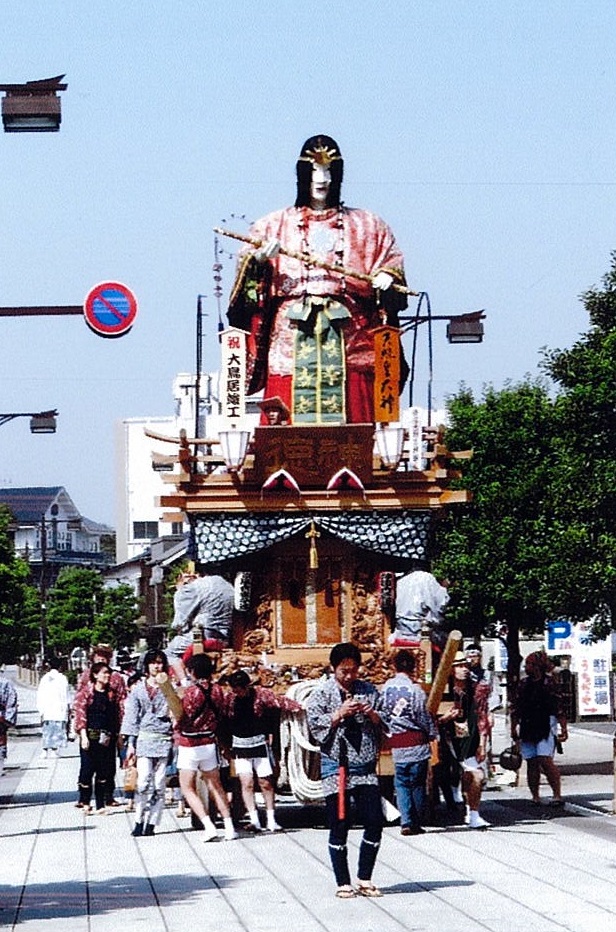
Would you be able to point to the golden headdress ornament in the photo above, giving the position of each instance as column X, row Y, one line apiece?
column 320, row 155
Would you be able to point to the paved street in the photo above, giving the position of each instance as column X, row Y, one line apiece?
column 534, row 869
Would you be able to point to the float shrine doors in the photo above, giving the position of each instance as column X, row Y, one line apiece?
column 309, row 602
column 303, row 607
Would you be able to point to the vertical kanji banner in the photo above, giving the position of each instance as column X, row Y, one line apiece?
column 386, row 375
column 233, row 374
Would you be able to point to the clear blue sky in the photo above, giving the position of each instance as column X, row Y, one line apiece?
column 483, row 133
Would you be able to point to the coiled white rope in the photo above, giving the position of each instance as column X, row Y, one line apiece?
column 296, row 747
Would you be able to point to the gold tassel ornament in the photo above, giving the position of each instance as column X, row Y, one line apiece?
column 312, row 535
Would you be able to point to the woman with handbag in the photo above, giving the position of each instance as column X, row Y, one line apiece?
column 538, row 721
column 97, row 722
column 148, row 727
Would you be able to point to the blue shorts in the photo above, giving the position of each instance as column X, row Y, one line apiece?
column 543, row 748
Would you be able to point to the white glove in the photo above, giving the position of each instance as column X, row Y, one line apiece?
column 269, row 250
column 382, row 281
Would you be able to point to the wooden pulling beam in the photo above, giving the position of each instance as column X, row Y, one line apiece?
column 310, row 260
column 173, row 700
column 444, row 669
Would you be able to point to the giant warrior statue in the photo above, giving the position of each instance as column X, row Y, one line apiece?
column 310, row 328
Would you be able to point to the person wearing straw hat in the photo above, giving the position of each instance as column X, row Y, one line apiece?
column 275, row 411
column 472, row 734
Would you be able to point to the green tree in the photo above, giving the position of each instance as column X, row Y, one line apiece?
column 582, row 582
column 81, row 612
column 115, row 623
column 493, row 550
column 14, row 639
column 73, row 604
column 26, row 634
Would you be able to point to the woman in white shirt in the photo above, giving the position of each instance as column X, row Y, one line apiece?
column 52, row 702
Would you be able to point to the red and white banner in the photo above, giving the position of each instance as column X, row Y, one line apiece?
column 233, row 374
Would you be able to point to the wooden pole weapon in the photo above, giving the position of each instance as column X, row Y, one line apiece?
column 454, row 640
column 310, row 260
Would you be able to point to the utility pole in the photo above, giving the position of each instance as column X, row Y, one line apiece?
column 43, row 590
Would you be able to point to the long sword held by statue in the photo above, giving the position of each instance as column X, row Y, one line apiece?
column 311, row 260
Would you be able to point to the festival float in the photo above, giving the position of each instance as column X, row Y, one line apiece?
column 322, row 513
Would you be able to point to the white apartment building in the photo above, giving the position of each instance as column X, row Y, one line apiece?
column 138, row 484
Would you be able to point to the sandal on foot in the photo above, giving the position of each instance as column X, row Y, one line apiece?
column 367, row 888
column 346, row 892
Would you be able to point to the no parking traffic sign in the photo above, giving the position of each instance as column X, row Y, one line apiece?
column 110, row 309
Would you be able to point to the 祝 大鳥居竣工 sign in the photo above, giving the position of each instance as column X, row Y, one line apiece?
column 233, row 373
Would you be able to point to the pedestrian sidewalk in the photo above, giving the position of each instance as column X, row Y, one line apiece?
column 586, row 766
column 532, row 870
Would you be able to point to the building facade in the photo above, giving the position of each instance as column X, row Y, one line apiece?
column 49, row 532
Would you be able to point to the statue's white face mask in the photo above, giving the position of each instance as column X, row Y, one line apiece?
column 319, row 186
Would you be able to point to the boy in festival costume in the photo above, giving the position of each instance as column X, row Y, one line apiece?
column 343, row 715
column 411, row 729
column 195, row 735
column 251, row 717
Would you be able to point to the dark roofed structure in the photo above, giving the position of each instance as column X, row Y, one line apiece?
column 49, row 532
column 28, row 505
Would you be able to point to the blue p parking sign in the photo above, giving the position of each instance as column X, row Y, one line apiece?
column 558, row 631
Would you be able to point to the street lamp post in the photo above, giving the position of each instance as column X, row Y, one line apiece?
column 33, row 107
column 43, row 591
column 41, row 422
column 44, row 574
column 461, row 328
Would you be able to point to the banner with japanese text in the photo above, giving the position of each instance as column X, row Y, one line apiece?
column 386, row 375
column 233, row 374
column 591, row 661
